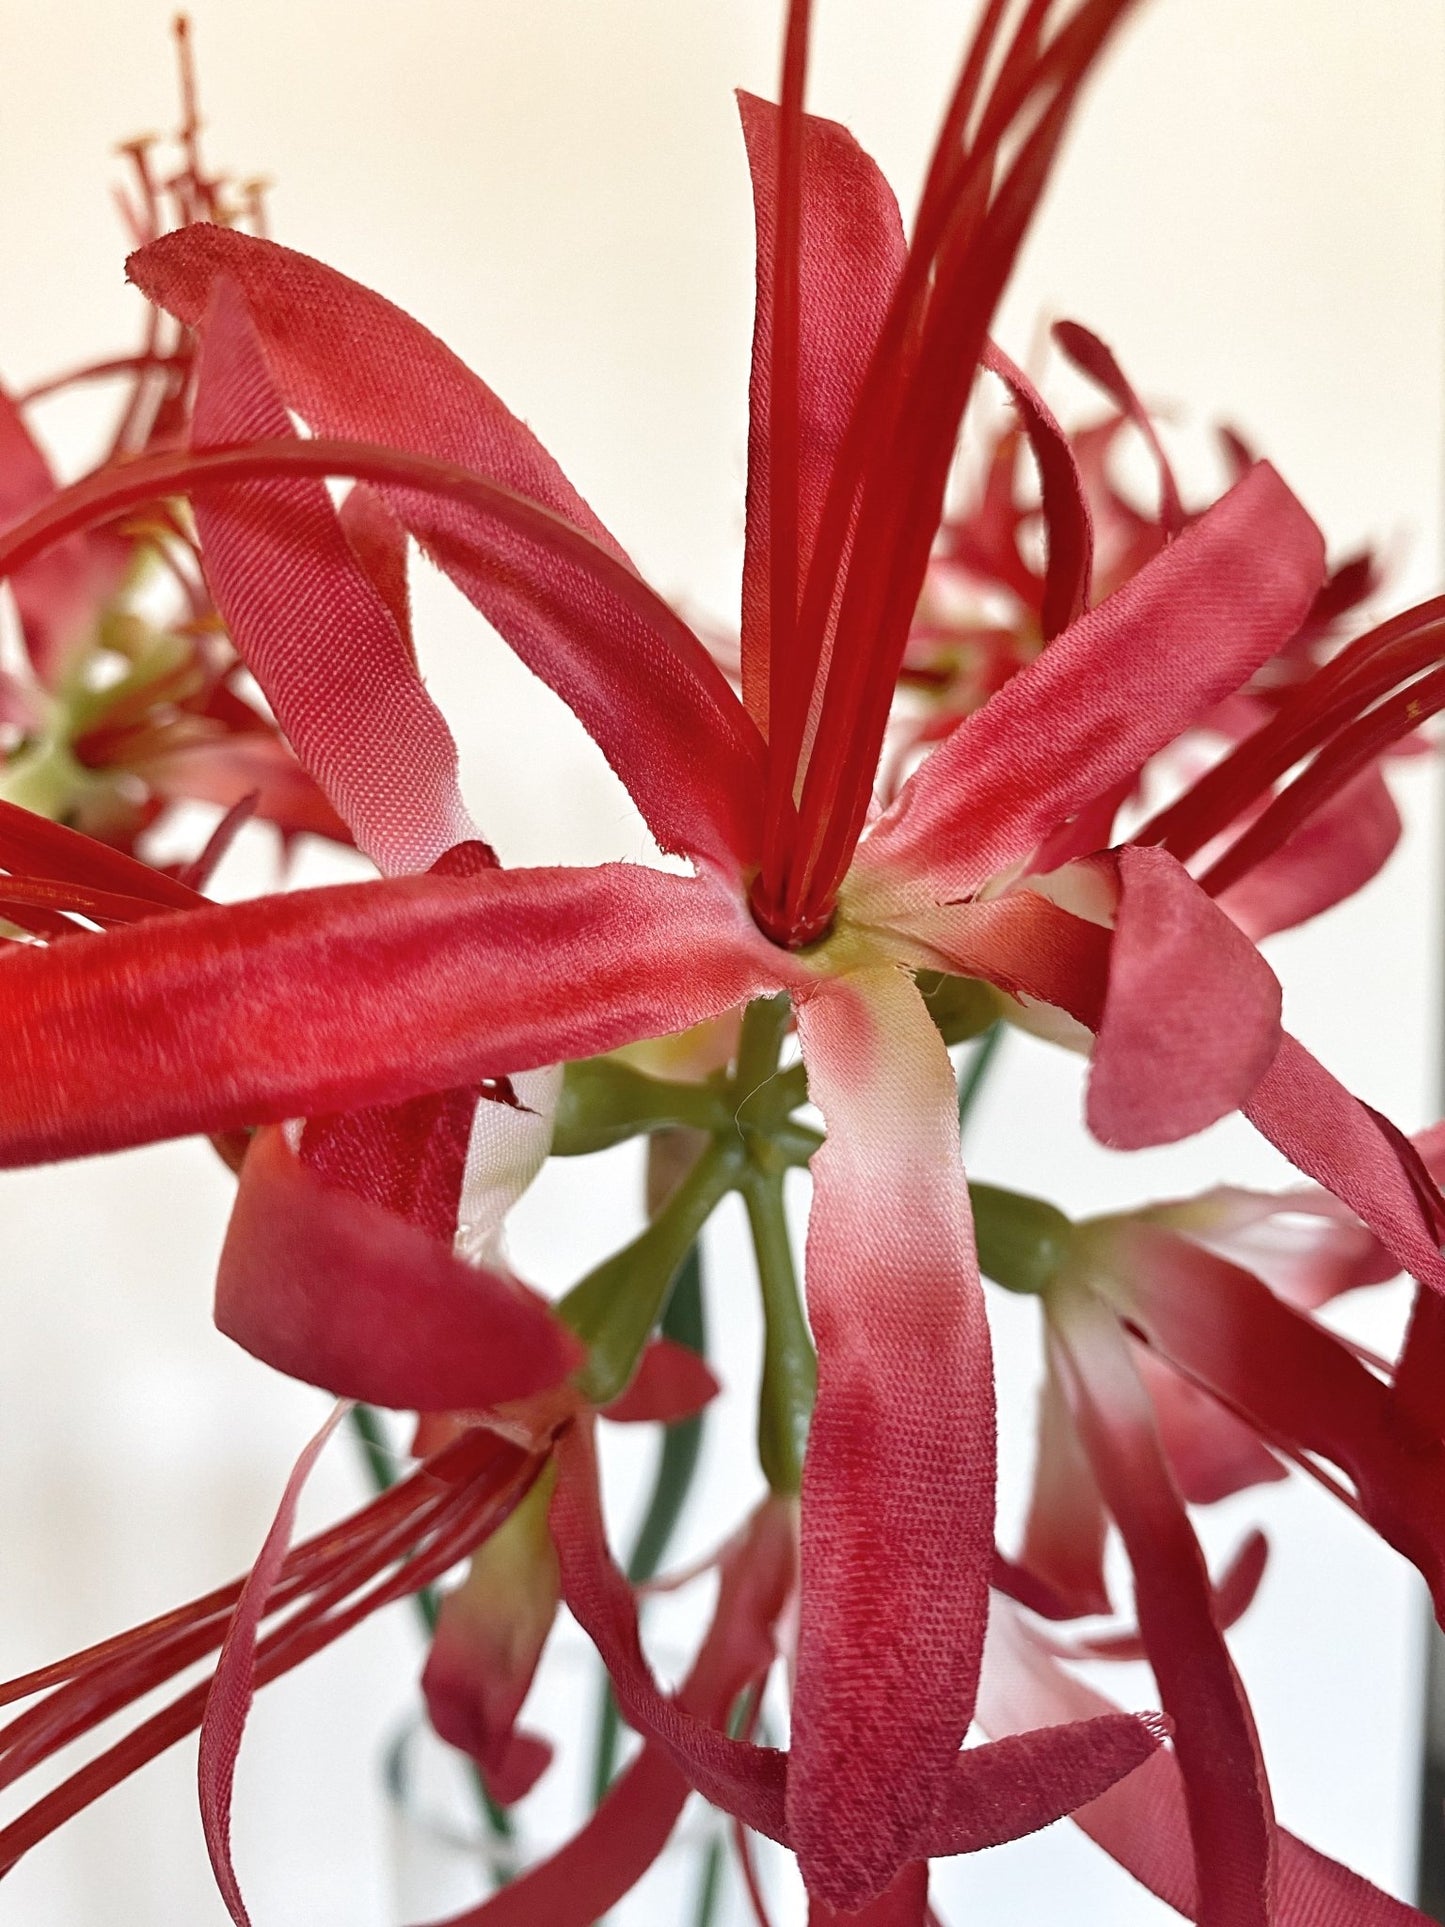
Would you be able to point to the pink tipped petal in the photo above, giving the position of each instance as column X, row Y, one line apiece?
column 333, row 1000
column 1112, row 690
column 312, row 627
column 1191, row 1018
column 851, row 254
column 229, row 1701
column 1231, row 1820
column 898, row 1478
column 672, row 1383
column 330, row 1288
column 904, row 1903
column 1068, row 526
column 354, row 366
column 1333, row 853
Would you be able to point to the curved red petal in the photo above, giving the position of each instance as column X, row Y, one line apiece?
column 898, row 1477
column 1191, row 1016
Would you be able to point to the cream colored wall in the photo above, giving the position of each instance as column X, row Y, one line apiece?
column 1250, row 210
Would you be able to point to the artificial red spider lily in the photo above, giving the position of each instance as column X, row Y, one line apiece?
column 379, row 994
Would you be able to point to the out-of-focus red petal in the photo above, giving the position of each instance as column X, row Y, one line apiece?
column 1141, row 1822
column 1333, row 853
column 1210, row 1452
column 1339, row 1142
column 489, row 1636
column 227, row 768
column 310, row 625
column 57, row 596
column 898, row 1477
column 329, row 1287
column 1111, row 691
column 1095, row 359
column 1233, row 1596
column 578, row 1884
column 672, row 1383
column 355, row 366
column 1231, row 1820
column 850, row 256
column 229, row 1700
column 1191, row 1018
column 1068, row 526
column 332, row 1000
column 1064, row 1536
column 32, row 845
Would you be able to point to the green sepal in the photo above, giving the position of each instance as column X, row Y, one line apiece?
column 1023, row 1242
column 604, row 1101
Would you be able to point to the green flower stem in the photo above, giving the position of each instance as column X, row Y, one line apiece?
column 604, row 1102
column 790, row 1364
column 685, row 1321
column 765, row 1025
column 614, row 1308
column 980, row 1063
column 709, row 1886
column 376, row 1453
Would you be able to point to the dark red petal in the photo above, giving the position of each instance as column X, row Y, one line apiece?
column 1231, row 1820
column 310, row 625
column 903, row 1904
column 1191, row 1017
column 1121, row 683
column 1068, row 526
column 851, row 252
column 898, row 1478
column 332, row 1000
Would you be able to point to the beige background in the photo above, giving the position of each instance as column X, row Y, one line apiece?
column 1251, row 211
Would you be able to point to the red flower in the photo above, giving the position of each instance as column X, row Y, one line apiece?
column 379, row 994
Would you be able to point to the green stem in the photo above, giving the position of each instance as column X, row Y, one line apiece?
column 765, row 1025
column 980, row 1063
column 709, row 1887
column 685, row 1321
column 790, row 1364
column 370, row 1434
column 614, row 1308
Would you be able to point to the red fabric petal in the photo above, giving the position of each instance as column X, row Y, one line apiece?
column 1066, row 1528
column 313, row 629
column 1111, row 691
column 378, row 541
column 898, row 1477
column 489, row 1636
column 1141, row 1822
column 1191, row 1018
column 1210, row 1452
column 58, row 596
column 1343, row 1145
column 902, row 1904
column 355, row 366
column 672, row 1383
column 851, row 254
column 627, row 1832
column 329, row 1287
column 1333, row 854
column 331, row 1000
column 225, row 769
column 1231, row 1820
column 229, row 1700
column 1068, row 525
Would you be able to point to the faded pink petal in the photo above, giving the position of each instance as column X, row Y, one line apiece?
column 1334, row 853
column 898, row 1477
